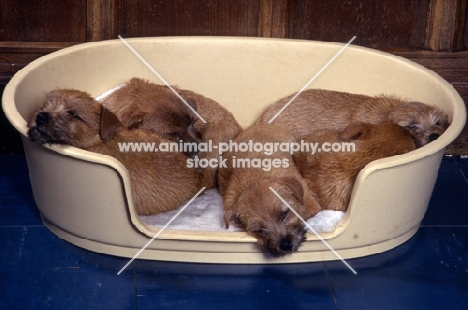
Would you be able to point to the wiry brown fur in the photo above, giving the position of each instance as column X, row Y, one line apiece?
column 160, row 181
column 317, row 109
column 331, row 175
column 249, row 202
column 141, row 104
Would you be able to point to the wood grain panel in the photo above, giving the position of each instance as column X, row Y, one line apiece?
column 446, row 23
column 273, row 18
column 465, row 28
column 190, row 17
column 43, row 21
column 102, row 19
column 377, row 24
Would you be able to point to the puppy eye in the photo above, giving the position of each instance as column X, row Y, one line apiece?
column 411, row 126
column 259, row 231
column 284, row 214
column 173, row 136
column 74, row 115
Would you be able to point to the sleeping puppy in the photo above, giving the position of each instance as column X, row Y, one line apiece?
column 160, row 181
column 153, row 107
column 331, row 175
column 317, row 109
column 248, row 201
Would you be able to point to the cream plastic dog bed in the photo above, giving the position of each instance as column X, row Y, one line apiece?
column 85, row 197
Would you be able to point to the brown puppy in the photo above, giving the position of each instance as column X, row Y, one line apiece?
column 317, row 109
column 160, row 181
column 145, row 105
column 331, row 175
column 249, row 201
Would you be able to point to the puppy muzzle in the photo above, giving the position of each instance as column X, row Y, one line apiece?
column 42, row 118
column 433, row 137
column 286, row 244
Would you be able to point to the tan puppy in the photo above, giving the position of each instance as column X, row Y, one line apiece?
column 145, row 105
column 160, row 181
column 250, row 203
column 317, row 109
column 331, row 175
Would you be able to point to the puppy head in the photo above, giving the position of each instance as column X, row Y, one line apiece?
column 264, row 216
column 424, row 122
column 156, row 108
column 68, row 117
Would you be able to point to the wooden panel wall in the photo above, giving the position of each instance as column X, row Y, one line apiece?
column 29, row 29
column 191, row 17
column 45, row 21
column 431, row 32
column 377, row 24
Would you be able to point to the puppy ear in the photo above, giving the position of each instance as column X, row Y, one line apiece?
column 443, row 119
column 416, row 106
column 50, row 96
column 110, row 125
column 191, row 103
column 135, row 120
column 193, row 134
column 295, row 186
column 354, row 131
column 403, row 114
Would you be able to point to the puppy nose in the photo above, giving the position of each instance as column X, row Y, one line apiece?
column 433, row 136
column 286, row 244
column 42, row 118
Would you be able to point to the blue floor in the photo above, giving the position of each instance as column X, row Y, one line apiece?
column 40, row 271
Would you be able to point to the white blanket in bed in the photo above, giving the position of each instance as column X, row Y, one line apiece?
column 206, row 213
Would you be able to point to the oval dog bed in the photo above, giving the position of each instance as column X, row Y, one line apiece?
column 85, row 197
